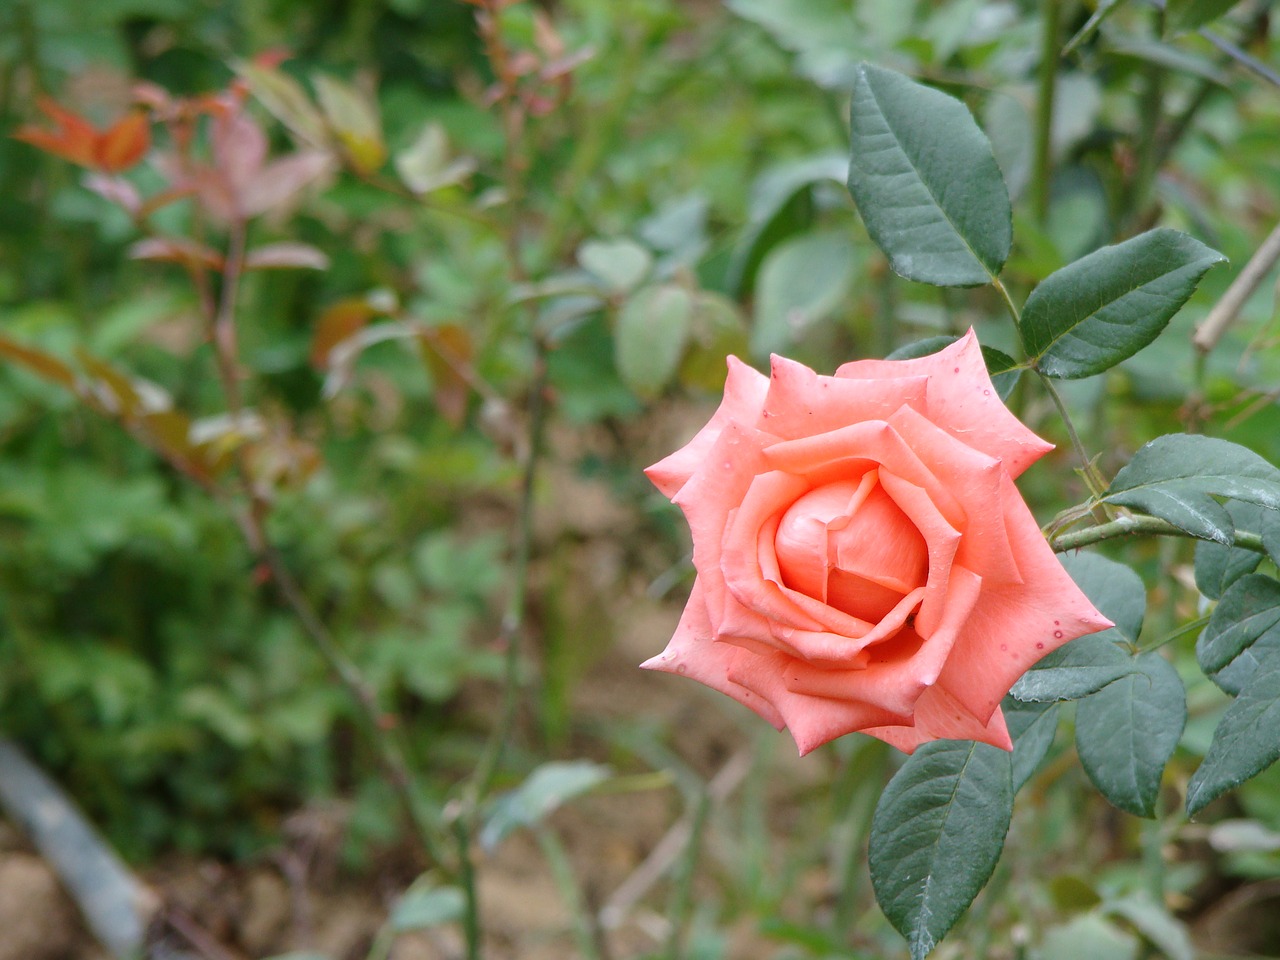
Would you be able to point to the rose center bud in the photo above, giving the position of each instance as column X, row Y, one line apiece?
column 849, row 545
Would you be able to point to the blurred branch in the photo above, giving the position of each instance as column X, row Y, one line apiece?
column 1242, row 288
column 116, row 905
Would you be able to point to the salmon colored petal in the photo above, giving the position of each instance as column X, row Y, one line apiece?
column 976, row 485
column 1015, row 625
column 713, row 492
column 894, row 683
column 812, row 721
column 800, row 403
column 693, row 653
column 939, row 717
column 962, row 400
column 941, row 539
column 744, row 393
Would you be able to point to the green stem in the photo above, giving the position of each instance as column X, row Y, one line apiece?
column 1051, row 17
column 1140, row 525
column 467, row 877
column 1096, row 482
column 567, row 885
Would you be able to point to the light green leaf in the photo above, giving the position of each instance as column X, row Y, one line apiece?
column 1155, row 923
column 653, row 328
column 1127, row 731
column 546, row 789
column 936, row 836
column 427, row 907
column 1245, row 742
column 428, row 164
column 620, row 264
column 1176, row 477
column 1184, row 15
column 1108, row 305
column 1092, row 936
column 801, row 281
column 1243, row 630
column 926, row 183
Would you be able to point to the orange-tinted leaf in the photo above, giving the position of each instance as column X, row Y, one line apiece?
column 447, row 351
column 38, row 362
column 124, row 143
column 278, row 256
column 342, row 320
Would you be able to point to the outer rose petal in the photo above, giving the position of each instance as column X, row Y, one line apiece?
column 938, row 716
column 744, row 393
column 963, row 401
column 800, row 403
column 693, row 653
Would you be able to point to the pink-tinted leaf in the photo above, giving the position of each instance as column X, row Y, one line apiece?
column 276, row 183
column 177, row 250
column 115, row 189
column 283, row 256
column 239, row 150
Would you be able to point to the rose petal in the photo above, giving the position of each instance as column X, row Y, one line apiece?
column 744, row 393
column 962, row 400
column 976, row 483
column 894, row 684
column 942, row 540
column 800, row 403
column 691, row 652
column 938, row 716
column 812, row 721
column 1014, row 625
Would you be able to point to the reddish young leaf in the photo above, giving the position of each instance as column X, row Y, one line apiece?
column 342, row 320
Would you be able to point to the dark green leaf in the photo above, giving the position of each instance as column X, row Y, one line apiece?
column 1032, row 727
column 653, row 329
column 547, row 788
column 1127, row 731
column 1218, row 566
column 926, row 183
column 1108, row 305
column 1184, row 15
column 1003, row 369
column 1081, row 667
column 936, row 836
column 1113, row 588
column 1243, row 630
column 1176, row 477
column 1245, row 742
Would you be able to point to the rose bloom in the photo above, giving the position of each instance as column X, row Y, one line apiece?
column 864, row 560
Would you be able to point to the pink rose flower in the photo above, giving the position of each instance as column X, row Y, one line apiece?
column 864, row 560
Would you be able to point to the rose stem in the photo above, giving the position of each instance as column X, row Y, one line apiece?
column 1133, row 525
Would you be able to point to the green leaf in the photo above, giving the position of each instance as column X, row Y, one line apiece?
column 936, row 836
column 1245, row 742
column 1127, row 731
column 1156, row 923
column 1075, row 670
column 547, row 788
column 779, row 207
column 1243, row 630
column 926, row 183
column 620, row 264
column 1032, row 727
column 1089, row 935
column 1218, row 566
column 427, row 907
column 1176, row 477
column 653, row 328
column 800, row 282
column 1002, row 368
column 1108, row 305
column 1184, row 15
column 1089, row 663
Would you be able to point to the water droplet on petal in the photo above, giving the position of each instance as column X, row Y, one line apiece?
column 681, row 668
column 1058, row 634
column 1039, row 646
